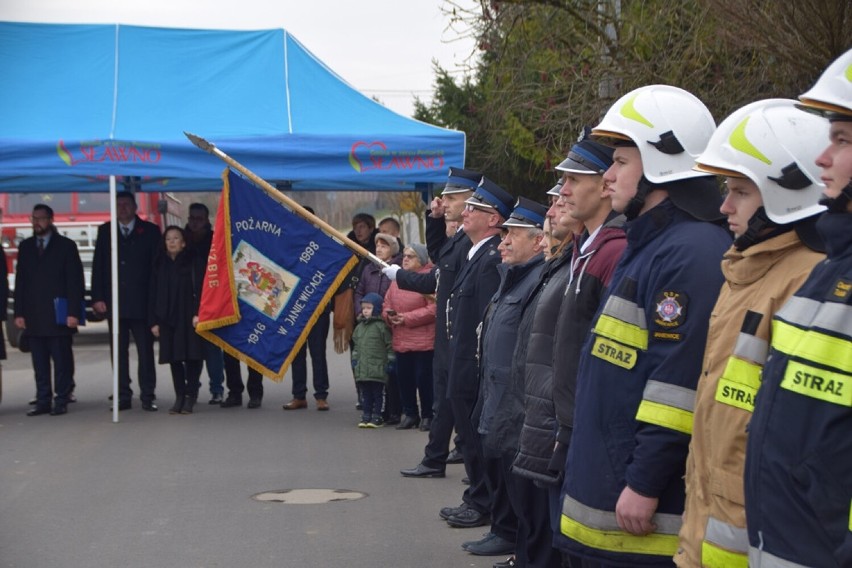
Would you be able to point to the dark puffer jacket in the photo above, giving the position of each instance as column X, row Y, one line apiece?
column 533, row 373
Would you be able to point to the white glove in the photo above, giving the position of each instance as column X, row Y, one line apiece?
column 391, row 271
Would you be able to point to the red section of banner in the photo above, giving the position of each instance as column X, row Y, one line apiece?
column 218, row 300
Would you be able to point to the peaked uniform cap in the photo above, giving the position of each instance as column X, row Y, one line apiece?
column 527, row 213
column 587, row 157
column 489, row 195
column 460, row 181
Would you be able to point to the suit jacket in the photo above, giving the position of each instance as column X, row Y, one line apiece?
column 475, row 284
column 4, row 300
column 57, row 273
column 136, row 254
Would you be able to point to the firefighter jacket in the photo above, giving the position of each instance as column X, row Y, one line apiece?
column 502, row 406
column 798, row 475
column 636, row 388
column 758, row 281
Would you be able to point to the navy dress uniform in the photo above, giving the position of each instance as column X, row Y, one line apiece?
column 475, row 284
column 449, row 254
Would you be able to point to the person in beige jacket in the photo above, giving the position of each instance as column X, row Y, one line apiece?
column 766, row 151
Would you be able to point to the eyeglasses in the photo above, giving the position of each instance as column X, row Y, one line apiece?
column 409, row 256
column 471, row 208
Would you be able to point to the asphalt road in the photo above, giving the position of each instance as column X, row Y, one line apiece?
column 157, row 490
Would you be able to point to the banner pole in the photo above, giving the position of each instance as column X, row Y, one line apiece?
column 280, row 197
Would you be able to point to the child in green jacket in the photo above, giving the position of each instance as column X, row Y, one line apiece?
column 372, row 355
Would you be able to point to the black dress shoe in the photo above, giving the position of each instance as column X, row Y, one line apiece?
column 455, row 456
column 253, row 403
column 496, row 546
column 392, row 419
column 421, row 470
column 448, row 512
column 408, row 422
column 59, row 410
column 232, row 402
column 425, row 424
column 38, row 411
column 485, row 538
column 149, row 406
column 469, row 518
column 124, row 405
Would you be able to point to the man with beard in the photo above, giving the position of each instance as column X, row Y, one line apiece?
column 49, row 288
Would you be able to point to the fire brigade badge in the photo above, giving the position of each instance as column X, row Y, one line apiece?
column 671, row 309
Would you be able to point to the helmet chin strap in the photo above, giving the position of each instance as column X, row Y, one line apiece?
column 758, row 223
column 637, row 202
column 840, row 203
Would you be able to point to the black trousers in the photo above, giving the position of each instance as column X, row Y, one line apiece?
column 438, row 447
column 504, row 521
column 234, row 380
column 146, row 374
column 185, row 375
column 43, row 351
column 476, row 495
column 534, row 544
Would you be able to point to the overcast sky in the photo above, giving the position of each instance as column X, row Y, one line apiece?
column 384, row 48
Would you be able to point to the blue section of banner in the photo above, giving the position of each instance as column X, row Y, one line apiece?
column 285, row 270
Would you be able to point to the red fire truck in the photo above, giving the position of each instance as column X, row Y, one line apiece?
column 77, row 216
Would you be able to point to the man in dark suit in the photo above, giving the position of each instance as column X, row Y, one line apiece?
column 138, row 243
column 475, row 284
column 449, row 253
column 49, row 269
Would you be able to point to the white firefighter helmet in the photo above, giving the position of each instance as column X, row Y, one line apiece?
column 775, row 145
column 832, row 93
column 669, row 126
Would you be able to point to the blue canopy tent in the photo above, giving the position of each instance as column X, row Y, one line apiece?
column 84, row 105
column 81, row 103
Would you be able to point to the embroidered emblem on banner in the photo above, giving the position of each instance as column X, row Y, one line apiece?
column 671, row 309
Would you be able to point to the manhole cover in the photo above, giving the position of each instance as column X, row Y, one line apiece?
column 309, row 496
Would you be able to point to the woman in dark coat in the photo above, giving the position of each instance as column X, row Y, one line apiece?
column 175, row 294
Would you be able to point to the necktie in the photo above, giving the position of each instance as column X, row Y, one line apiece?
column 125, row 230
column 40, row 246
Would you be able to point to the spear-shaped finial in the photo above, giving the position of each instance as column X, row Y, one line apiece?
column 200, row 142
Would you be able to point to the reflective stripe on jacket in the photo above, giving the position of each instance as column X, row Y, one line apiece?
column 758, row 281
column 798, row 475
column 635, row 386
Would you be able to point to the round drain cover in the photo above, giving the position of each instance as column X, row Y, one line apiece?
column 309, row 496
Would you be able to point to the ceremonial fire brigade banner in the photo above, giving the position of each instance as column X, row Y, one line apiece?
column 269, row 275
